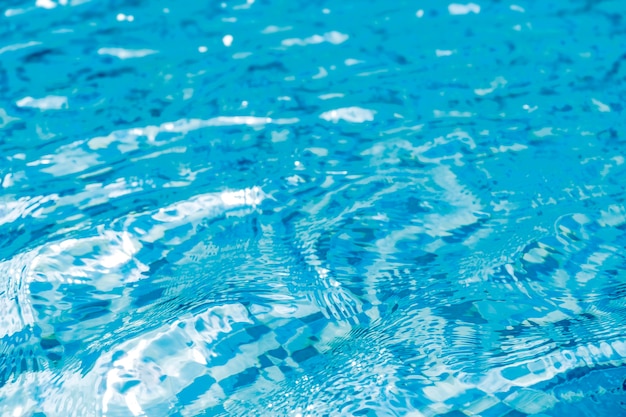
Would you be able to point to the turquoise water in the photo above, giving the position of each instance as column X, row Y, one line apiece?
column 312, row 208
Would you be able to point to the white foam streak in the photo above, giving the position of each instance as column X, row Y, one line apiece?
column 349, row 114
column 209, row 205
column 183, row 126
column 123, row 53
column 45, row 103
column 332, row 37
column 461, row 9
column 18, row 46
column 45, row 4
column 11, row 211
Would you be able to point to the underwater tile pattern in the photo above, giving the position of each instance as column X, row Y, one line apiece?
column 322, row 208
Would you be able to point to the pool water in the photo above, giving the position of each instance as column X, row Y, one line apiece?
column 312, row 208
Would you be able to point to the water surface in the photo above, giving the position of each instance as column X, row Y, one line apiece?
column 310, row 208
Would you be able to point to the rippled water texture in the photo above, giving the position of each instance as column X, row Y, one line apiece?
column 312, row 208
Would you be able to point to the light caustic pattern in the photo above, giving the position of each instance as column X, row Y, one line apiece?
column 312, row 209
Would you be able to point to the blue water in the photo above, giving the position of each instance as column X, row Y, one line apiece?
column 312, row 208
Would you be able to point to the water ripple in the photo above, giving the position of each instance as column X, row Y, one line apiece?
column 253, row 208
